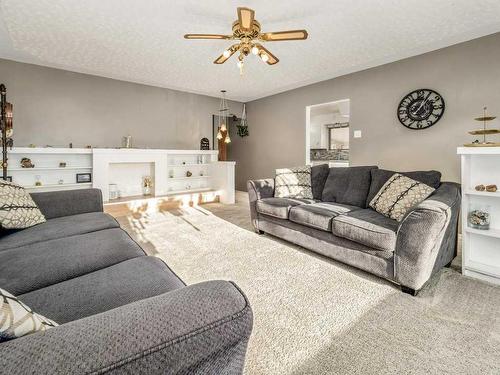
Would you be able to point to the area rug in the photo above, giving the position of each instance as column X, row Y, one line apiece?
column 317, row 316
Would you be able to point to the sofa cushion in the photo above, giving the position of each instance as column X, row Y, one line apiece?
column 348, row 185
column 34, row 266
column 381, row 176
column 17, row 209
column 279, row 207
column 58, row 228
column 293, row 183
column 17, row 319
column 319, row 215
column 103, row 290
column 368, row 228
column 319, row 174
column 398, row 195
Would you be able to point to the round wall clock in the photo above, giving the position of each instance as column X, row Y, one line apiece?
column 421, row 109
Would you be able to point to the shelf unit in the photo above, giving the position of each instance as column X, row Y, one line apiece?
column 126, row 168
column 480, row 248
column 47, row 169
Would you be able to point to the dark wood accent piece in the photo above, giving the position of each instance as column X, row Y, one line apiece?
column 409, row 291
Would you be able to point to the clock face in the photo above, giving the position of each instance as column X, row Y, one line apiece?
column 421, row 109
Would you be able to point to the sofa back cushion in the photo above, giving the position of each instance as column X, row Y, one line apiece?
column 293, row 183
column 319, row 174
column 381, row 176
column 348, row 185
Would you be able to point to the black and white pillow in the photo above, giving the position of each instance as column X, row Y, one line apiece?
column 293, row 183
column 398, row 195
column 17, row 319
column 17, row 208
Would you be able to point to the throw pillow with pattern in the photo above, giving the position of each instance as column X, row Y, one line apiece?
column 17, row 209
column 399, row 195
column 17, row 319
column 293, row 183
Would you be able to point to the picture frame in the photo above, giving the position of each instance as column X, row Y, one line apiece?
column 83, row 178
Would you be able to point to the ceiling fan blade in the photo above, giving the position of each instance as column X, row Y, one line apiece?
column 246, row 17
column 222, row 59
column 284, row 35
column 207, row 36
column 272, row 59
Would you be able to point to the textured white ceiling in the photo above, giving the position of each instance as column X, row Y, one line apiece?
column 142, row 41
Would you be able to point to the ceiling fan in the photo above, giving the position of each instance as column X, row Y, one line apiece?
column 246, row 30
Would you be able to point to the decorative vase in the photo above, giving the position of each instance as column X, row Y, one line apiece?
column 146, row 185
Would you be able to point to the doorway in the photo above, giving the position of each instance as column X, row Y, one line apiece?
column 328, row 134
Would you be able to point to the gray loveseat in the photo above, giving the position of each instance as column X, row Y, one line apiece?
column 339, row 224
column 119, row 310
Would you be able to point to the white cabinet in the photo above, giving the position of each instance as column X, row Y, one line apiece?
column 480, row 247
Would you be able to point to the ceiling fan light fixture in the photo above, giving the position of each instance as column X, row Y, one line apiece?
column 247, row 32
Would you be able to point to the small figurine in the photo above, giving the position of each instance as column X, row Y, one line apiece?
column 71, row 145
column 62, row 164
column 480, row 187
column 26, row 163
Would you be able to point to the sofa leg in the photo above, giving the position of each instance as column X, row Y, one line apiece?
column 449, row 264
column 409, row 291
column 260, row 232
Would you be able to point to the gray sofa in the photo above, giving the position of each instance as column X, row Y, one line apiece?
column 407, row 253
column 119, row 310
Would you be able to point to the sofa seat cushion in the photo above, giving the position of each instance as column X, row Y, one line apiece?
column 319, row 215
column 58, row 228
column 27, row 268
column 280, row 207
column 103, row 290
column 368, row 228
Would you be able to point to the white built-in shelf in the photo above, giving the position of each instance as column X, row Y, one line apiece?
column 49, row 150
column 188, row 165
column 188, row 178
column 47, row 169
column 189, row 191
column 492, row 232
column 483, row 193
column 57, row 185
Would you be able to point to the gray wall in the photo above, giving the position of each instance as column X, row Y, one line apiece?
column 56, row 107
column 467, row 75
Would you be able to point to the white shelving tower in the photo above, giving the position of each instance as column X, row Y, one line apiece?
column 481, row 248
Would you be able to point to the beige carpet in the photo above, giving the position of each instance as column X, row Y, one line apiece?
column 316, row 316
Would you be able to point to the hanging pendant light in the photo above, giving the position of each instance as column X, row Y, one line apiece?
column 227, row 140
column 219, row 135
column 223, row 114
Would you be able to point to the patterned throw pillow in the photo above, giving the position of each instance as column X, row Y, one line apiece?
column 398, row 195
column 17, row 319
column 17, row 209
column 293, row 183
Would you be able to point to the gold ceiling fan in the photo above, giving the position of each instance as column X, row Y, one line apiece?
column 246, row 29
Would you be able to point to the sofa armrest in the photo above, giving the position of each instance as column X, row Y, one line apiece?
column 68, row 202
column 199, row 329
column 427, row 237
column 258, row 189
